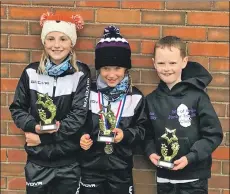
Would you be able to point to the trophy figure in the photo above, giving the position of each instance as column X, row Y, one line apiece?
column 171, row 146
column 106, row 135
column 47, row 112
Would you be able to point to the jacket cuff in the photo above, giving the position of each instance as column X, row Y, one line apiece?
column 127, row 137
column 191, row 157
column 30, row 126
column 46, row 138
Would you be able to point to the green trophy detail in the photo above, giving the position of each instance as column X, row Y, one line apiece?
column 171, row 142
column 47, row 103
column 106, row 135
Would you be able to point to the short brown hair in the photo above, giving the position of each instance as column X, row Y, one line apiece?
column 171, row 41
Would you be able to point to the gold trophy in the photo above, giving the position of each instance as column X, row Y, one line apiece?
column 106, row 135
column 172, row 147
column 47, row 112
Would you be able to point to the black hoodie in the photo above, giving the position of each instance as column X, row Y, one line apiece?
column 186, row 108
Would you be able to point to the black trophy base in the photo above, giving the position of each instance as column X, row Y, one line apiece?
column 108, row 138
column 48, row 127
column 164, row 164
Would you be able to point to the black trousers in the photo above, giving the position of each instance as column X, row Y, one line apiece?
column 196, row 187
column 58, row 180
column 106, row 182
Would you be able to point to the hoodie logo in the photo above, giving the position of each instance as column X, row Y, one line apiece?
column 183, row 115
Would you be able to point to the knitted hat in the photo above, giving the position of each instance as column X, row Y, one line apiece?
column 68, row 25
column 112, row 50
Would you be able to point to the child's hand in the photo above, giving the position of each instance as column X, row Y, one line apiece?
column 119, row 135
column 180, row 163
column 154, row 158
column 32, row 139
column 86, row 142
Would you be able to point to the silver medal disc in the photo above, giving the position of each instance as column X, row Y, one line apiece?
column 108, row 149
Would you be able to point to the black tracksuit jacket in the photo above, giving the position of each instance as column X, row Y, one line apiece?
column 201, row 133
column 70, row 95
column 132, row 123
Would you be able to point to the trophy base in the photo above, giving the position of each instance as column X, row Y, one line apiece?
column 106, row 138
column 164, row 164
column 48, row 127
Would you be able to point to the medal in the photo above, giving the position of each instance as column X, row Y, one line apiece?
column 108, row 149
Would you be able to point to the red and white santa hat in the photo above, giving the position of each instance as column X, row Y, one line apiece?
column 64, row 23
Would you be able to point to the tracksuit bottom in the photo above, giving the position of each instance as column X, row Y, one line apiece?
column 196, row 187
column 52, row 180
column 106, row 182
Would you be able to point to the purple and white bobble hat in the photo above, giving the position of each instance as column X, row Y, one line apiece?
column 112, row 50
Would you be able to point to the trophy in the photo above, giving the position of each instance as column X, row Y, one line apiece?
column 47, row 112
column 104, row 134
column 169, row 149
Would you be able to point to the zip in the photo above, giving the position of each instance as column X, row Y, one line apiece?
column 54, row 86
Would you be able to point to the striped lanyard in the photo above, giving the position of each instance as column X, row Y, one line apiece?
column 119, row 111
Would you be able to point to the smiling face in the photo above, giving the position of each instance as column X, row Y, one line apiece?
column 169, row 64
column 112, row 75
column 57, row 45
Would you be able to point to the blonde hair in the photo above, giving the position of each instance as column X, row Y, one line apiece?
column 44, row 57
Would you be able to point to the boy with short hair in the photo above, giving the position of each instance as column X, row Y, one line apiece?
column 183, row 128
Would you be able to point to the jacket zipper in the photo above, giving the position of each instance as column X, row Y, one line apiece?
column 54, row 87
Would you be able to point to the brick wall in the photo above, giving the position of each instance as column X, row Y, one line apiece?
column 203, row 25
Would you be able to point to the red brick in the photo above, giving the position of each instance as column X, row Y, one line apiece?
column 220, row 95
column 13, row 130
column 32, row 13
column 146, row 89
column 147, row 47
column 217, row 64
column 3, row 99
column 12, row 192
column 213, row 191
column 113, row 4
column 149, row 77
column 35, row 28
column 216, row 34
column 87, row 58
column 221, row 6
column 25, row 42
column 221, row 153
column 3, row 129
column 208, row 49
column 142, row 5
column 142, row 61
column 135, row 46
column 4, row 70
column 14, row 56
column 16, row 2
column 14, row 27
column 163, row 17
column 85, row 44
column 220, row 109
column 118, row 16
column 5, row 113
column 202, row 60
column 228, row 107
column 3, row 155
column 10, row 98
column 16, row 70
column 225, row 124
column 220, row 80
column 15, row 155
column 12, row 169
column 12, row 141
column 186, row 33
column 216, row 167
column 53, row 3
column 4, row 41
column 8, row 85
column 3, row 183
column 92, row 30
column 209, row 18
column 3, row 12
column 225, row 167
column 188, row 5
column 219, row 182
column 135, row 75
column 226, row 191
column 36, row 55
column 17, row 183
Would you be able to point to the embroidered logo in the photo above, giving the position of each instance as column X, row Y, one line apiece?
column 183, row 114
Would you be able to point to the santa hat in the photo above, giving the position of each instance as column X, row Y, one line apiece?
column 52, row 22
